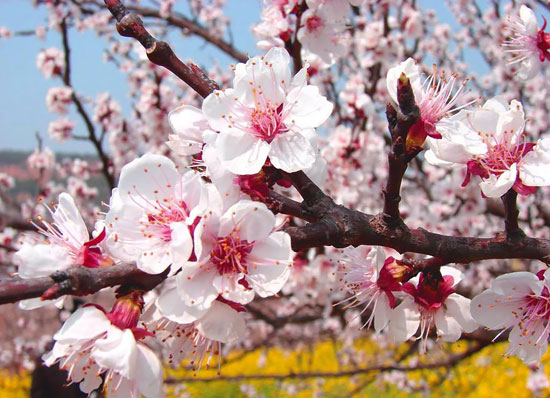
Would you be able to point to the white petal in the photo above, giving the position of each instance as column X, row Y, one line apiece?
column 218, row 106
column 382, row 313
column 148, row 373
column 291, row 152
column 253, row 220
column 222, row 323
column 306, row 107
column 41, row 260
column 494, row 311
column 157, row 259
column 148, row 180
column 173, row 307
column 188, row 123
column 494, row 187
column 196, row 288
column 534, row 169
column 517, row 284
column 452, row 271
column 458, row 307
column 529, row 20
column 411, row 70
column 69, row 221
column 181, row 245
column 241, row 153
column 85, row 324
column 404, row 320
column 117, row 351
column 447, row 327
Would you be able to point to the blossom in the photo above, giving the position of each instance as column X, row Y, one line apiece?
column 239, row 254
column 519, row 301
column 68, row 243
column 431, row 302
column 92, row 343
column 41, row 164
column 529, row 44
column 266, row 115
column 436, row 98
column 189, row 126
column 58, row 98
column 60, row 129
column 371, row 282
column 151, row 214
column 491, row 143
column 197, row 335
column 50, row 62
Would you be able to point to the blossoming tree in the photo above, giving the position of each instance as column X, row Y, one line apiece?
column 335, row 184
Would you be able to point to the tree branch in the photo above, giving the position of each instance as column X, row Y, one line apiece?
column 77, row 281
column 159, row 52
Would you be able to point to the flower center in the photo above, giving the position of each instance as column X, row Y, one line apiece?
column 229, row 254
column 158, row 224
column 314, row 23
column 266, row 122
column 543, row 43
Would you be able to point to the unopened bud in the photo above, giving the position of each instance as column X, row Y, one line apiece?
column 127, row 310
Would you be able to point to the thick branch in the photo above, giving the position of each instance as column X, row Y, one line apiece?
column 77, row 281
column 511, row 213
column 159, row 52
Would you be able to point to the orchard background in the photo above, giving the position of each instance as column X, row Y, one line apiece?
column 84, row 101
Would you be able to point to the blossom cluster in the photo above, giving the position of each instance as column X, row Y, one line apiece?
column 199, row 214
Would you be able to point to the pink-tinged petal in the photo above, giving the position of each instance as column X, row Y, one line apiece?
column 32, row 304
column 494, row 311
column 218, row 106
column 517, row 284
column 458, row 307
column 91, row 382
column 41, row 260
column 241, row 153
column 276, row 252
column 124, row 390
column 253, row 220
column 69, row 221
column 306, row 107
column 494, row 187
column 232, row 290
column 188, row 124
column 291, row 152
column 534, row 170
column 181, row 245
column 404, row 321
column 197, row 290
column 173, row 307
column 452, row 271
column 148, row 374
column 510, row 124
column 528, row 347
column 85, row 324
column 529, row 20
column 117, row 351
column 157, row 259
column 148, row 180
column 448, row 329
column 222, row 323
column 382, row 313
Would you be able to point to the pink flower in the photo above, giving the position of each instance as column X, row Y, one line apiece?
column 491, row 143
column 92, row 343
column 60, row 129
column 519, row 301
column 530, row 45
column 427, row 305
column 153, row 212
column 239, row 254
column 436, row 98
column 369, row 279
column 68, row 243
column 58, row 98
column 266, row 115
column 50, row 62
